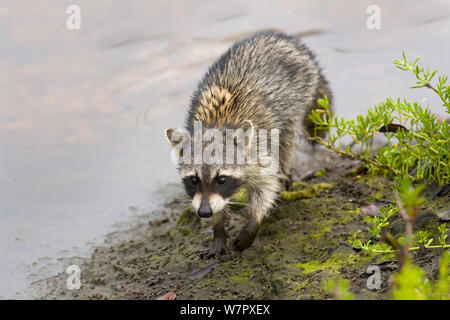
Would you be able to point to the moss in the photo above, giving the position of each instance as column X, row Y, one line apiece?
column 315, row 266
column 188, row 217
column 305, row 193
column 334, row 263
column 188, row 222
column 244, row 275
column 298, row 185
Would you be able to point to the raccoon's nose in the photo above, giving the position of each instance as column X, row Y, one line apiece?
column 205, row 211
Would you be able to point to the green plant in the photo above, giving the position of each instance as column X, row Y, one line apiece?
column 320, row 173
column 443, row 234
column 378, row 223
column 417, row 147
column 424, row 238
column 411, row 283
column 339, row 289
column 418, row 142
column 407, row 204
column 423, row 79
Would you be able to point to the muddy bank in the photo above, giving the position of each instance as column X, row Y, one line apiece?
column 308, row 238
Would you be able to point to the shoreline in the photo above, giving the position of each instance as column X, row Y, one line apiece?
column 305, row 241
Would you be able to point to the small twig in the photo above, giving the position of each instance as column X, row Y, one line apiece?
column 357, row 156
column 408, row 219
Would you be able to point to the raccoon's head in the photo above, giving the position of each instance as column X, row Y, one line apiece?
column 209, row 187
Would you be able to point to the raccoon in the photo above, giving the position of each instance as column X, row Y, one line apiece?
column 271, row 81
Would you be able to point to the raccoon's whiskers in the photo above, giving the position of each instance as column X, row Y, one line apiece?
column 238, row 203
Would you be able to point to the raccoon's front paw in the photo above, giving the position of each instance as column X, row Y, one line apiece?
column 244, row 240
column 217, row 250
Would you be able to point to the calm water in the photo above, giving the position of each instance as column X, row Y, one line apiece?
column 82, row 111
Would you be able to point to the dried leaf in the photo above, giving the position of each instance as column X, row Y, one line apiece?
column 171, row 295
column 371, row 210
column 393, row 127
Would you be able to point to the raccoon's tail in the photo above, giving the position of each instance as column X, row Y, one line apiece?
column 322, row 91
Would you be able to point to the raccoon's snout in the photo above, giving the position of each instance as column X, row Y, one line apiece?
column 205, row 210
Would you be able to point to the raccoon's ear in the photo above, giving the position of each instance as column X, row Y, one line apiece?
column 169, row 133
column 176, row 137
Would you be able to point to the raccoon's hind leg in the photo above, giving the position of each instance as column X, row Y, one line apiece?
column 218, row 246
column 287, row 162
column 261, row 200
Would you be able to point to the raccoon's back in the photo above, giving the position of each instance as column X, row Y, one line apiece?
column 270, row 78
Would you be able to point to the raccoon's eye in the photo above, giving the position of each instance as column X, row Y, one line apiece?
column 222, row 180
column 194, row 180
